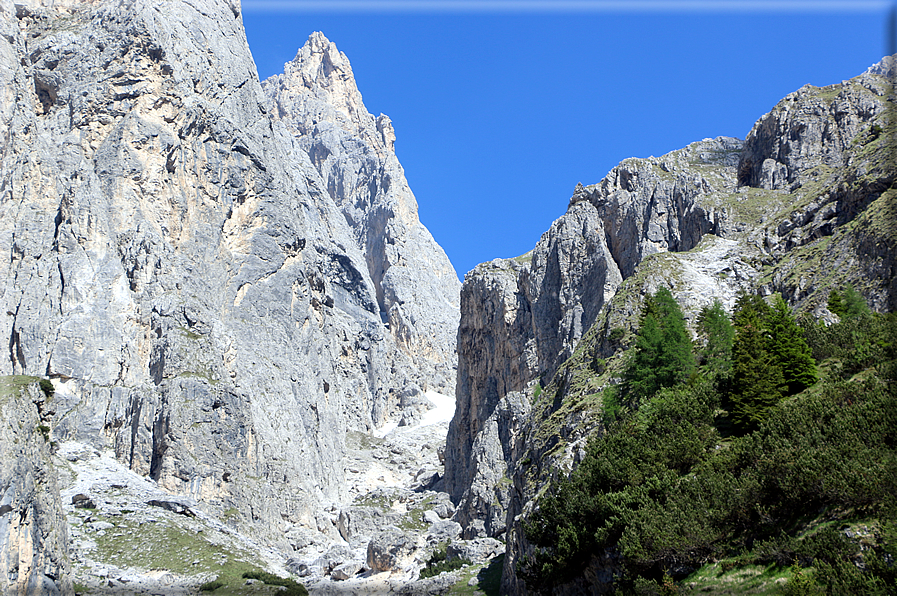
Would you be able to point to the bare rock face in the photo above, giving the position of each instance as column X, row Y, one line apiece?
column 812, row 130
column 33, row 534
column 181, row 268
column 522, row 318
column 317, row 100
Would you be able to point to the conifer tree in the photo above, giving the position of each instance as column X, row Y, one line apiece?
column 790, row 350
column 714, row 325
column 662, row 356
column 757, row 379
column 854, row 303
column 836, row 303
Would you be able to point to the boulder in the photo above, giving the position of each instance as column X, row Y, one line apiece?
column 346, row 570
column 390, row 551
column 477, row 550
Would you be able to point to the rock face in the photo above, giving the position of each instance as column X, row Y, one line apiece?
column 522, row 318
column 805, row 204
column 317, row 100
column 211, row 298
column 33, row 533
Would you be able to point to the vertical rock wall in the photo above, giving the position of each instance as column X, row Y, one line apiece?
column 178, row 265
column 33, row 535
column 416, row 288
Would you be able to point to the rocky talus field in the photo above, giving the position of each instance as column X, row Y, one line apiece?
column 237, row 362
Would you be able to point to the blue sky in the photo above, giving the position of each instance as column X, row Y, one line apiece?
column 500, row 108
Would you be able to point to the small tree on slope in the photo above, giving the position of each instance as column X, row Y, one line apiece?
column 662, row 356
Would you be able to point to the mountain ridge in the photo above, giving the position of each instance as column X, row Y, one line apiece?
column 800, row 207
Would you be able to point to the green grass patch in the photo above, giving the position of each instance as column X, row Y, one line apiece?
column 524, row 259
column 182, row 546
column 728, row 577
column 13, row 385
column 489, row 577
column 293, row 588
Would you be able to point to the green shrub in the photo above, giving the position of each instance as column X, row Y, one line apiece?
column 658, row 490
column 616, row 335
column 438, row 563
column 293, row 588
column 47, row 387
column 801, row 584
column 211, row 586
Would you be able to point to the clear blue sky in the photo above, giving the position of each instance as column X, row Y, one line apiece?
column 500, row 111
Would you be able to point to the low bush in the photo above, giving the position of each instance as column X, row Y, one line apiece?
column 211, row 586
column 293, row 588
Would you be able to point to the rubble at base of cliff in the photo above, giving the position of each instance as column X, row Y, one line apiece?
column 128, row 536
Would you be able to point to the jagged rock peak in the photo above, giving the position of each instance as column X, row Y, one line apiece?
column 321, row 69
column 417, row 289
column 886, row 67
column 180, row 266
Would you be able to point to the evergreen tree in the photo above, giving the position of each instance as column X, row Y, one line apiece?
column 836, row 304
column 714, row 325
column 789, row 349
column 757, row 379
column 848, row 304
column 663, row 351
column 854, row 303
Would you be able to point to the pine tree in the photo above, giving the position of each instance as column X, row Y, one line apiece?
column 714, row 325
column 662, row 356
column 789, row 349
column 854, row 303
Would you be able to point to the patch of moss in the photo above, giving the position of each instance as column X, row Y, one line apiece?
column 189, row 334
column 524, row 259
column 181, row 546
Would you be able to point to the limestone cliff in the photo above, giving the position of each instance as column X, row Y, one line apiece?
column 805, row 204
column 179, row 267
column 33, row 533
column 317, row 100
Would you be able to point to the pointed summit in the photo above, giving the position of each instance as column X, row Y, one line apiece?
column 322, row 73
column 417, row 289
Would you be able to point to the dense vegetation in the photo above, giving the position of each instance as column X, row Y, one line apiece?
column 756, row 457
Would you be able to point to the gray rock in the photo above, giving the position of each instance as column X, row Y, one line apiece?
column 357, row 525
column 432, row 586
column 444, row 509
column 82, row 501
column 317, row 100
column 346, row 570
column 443, row 531
column 211, row 306
column 178, row 506
column 391, row 550
column 33, row 529
column 477, row 550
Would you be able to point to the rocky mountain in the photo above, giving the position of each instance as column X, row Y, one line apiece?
column 222, row 280
column 804, row 205
column 318, row 102
column 227, row 325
